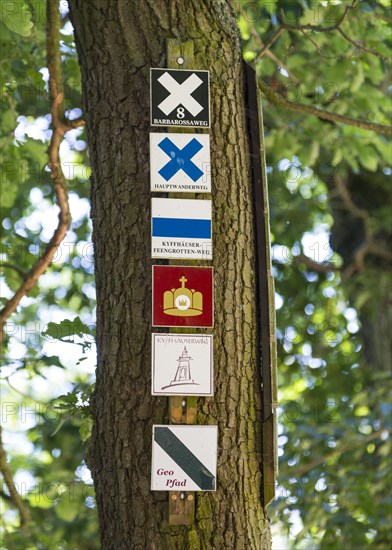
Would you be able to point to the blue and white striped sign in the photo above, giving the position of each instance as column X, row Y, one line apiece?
column 180, row 162
column 181, row 229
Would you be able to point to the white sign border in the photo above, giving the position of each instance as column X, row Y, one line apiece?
column 171, row 335
column 186, row 426
column 180, row 125
column 153, row 172
column 203, row 257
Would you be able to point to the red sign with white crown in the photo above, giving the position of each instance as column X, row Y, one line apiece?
column 182, row 296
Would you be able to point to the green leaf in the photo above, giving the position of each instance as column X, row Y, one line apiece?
column 16, row 15
column 358, row 78
column 59, row 425
column 8, row 190
column 249, row 55
column 66, row 509
column 85, row 428
column 308, row 17
column 369, row 161
column 51, row 360
column 66, row 329
column 338, row 156
column 8, row 121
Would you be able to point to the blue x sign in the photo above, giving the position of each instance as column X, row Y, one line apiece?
column 180, row 159
column 180, row 162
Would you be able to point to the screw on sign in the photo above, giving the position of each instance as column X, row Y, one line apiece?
column 180, row 98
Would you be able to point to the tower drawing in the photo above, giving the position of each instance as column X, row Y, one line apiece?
column 183, row 373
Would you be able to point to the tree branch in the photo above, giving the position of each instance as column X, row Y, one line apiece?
column 278, row 99
column 265, row 48
column 336, row 27
column 369, row 245
column 383, row 17
column 60, row 183
column 320, row 52
column 318, row 28
column 72, row 124
column 316, row 266
column 338, row 451
column 359, row 46
column 268, row 53
column 350, row 205
column 14, row 496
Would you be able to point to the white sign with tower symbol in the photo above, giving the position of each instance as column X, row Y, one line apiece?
column 182, row 364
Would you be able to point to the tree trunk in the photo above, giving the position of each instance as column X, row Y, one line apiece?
column 368, row 287
column 117, row 43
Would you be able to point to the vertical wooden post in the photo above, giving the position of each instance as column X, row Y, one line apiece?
column 265, row 291
column 182, row 409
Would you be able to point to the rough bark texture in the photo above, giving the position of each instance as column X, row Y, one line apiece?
column 118, row 42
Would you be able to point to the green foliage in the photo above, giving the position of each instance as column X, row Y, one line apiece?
column 76, row 404
column 67, row 328
column 335, row 413
column 47, row 365
column 16, row 16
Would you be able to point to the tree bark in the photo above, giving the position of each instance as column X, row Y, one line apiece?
column 117, row 43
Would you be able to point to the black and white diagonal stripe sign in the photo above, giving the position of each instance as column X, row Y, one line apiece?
column 180, row 98
column 184, row 458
